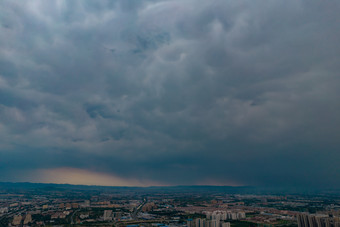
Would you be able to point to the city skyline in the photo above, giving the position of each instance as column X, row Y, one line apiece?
column 179, row 92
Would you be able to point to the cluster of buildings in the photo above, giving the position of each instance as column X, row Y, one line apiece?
column 199, row 222
column 217, row 218
column 225, row 215
column 136, row 207
column 18, row 219
column 149, row 206
column 317, row 220
column 109, row 216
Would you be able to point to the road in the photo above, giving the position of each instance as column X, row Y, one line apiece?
column 125, row 223
column 72, row 222
column 134, row 214
column 137, row 209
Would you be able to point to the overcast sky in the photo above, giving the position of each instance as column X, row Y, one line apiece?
column 170, row 92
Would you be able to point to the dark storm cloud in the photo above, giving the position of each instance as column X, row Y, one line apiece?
column 177, row 92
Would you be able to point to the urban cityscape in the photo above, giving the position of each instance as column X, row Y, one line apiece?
column 25, row 204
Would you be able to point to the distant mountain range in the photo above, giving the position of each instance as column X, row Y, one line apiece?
column 165, row 189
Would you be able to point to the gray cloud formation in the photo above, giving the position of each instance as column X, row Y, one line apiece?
column 177, row 92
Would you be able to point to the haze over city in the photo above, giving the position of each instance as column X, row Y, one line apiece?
column 170, row 92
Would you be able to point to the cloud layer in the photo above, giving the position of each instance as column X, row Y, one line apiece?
column 173, row 92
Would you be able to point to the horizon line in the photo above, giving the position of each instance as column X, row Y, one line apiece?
column 127, row 186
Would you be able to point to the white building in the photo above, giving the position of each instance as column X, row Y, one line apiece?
column 107, row 215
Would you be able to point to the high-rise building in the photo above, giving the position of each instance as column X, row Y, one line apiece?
column 215, row 223
column 190, row 223
column 225, row 224
column 28, row 219
column 241, row 215
column 17, row 220
column 107, row 215
column 199, row 222
column 316, row 220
